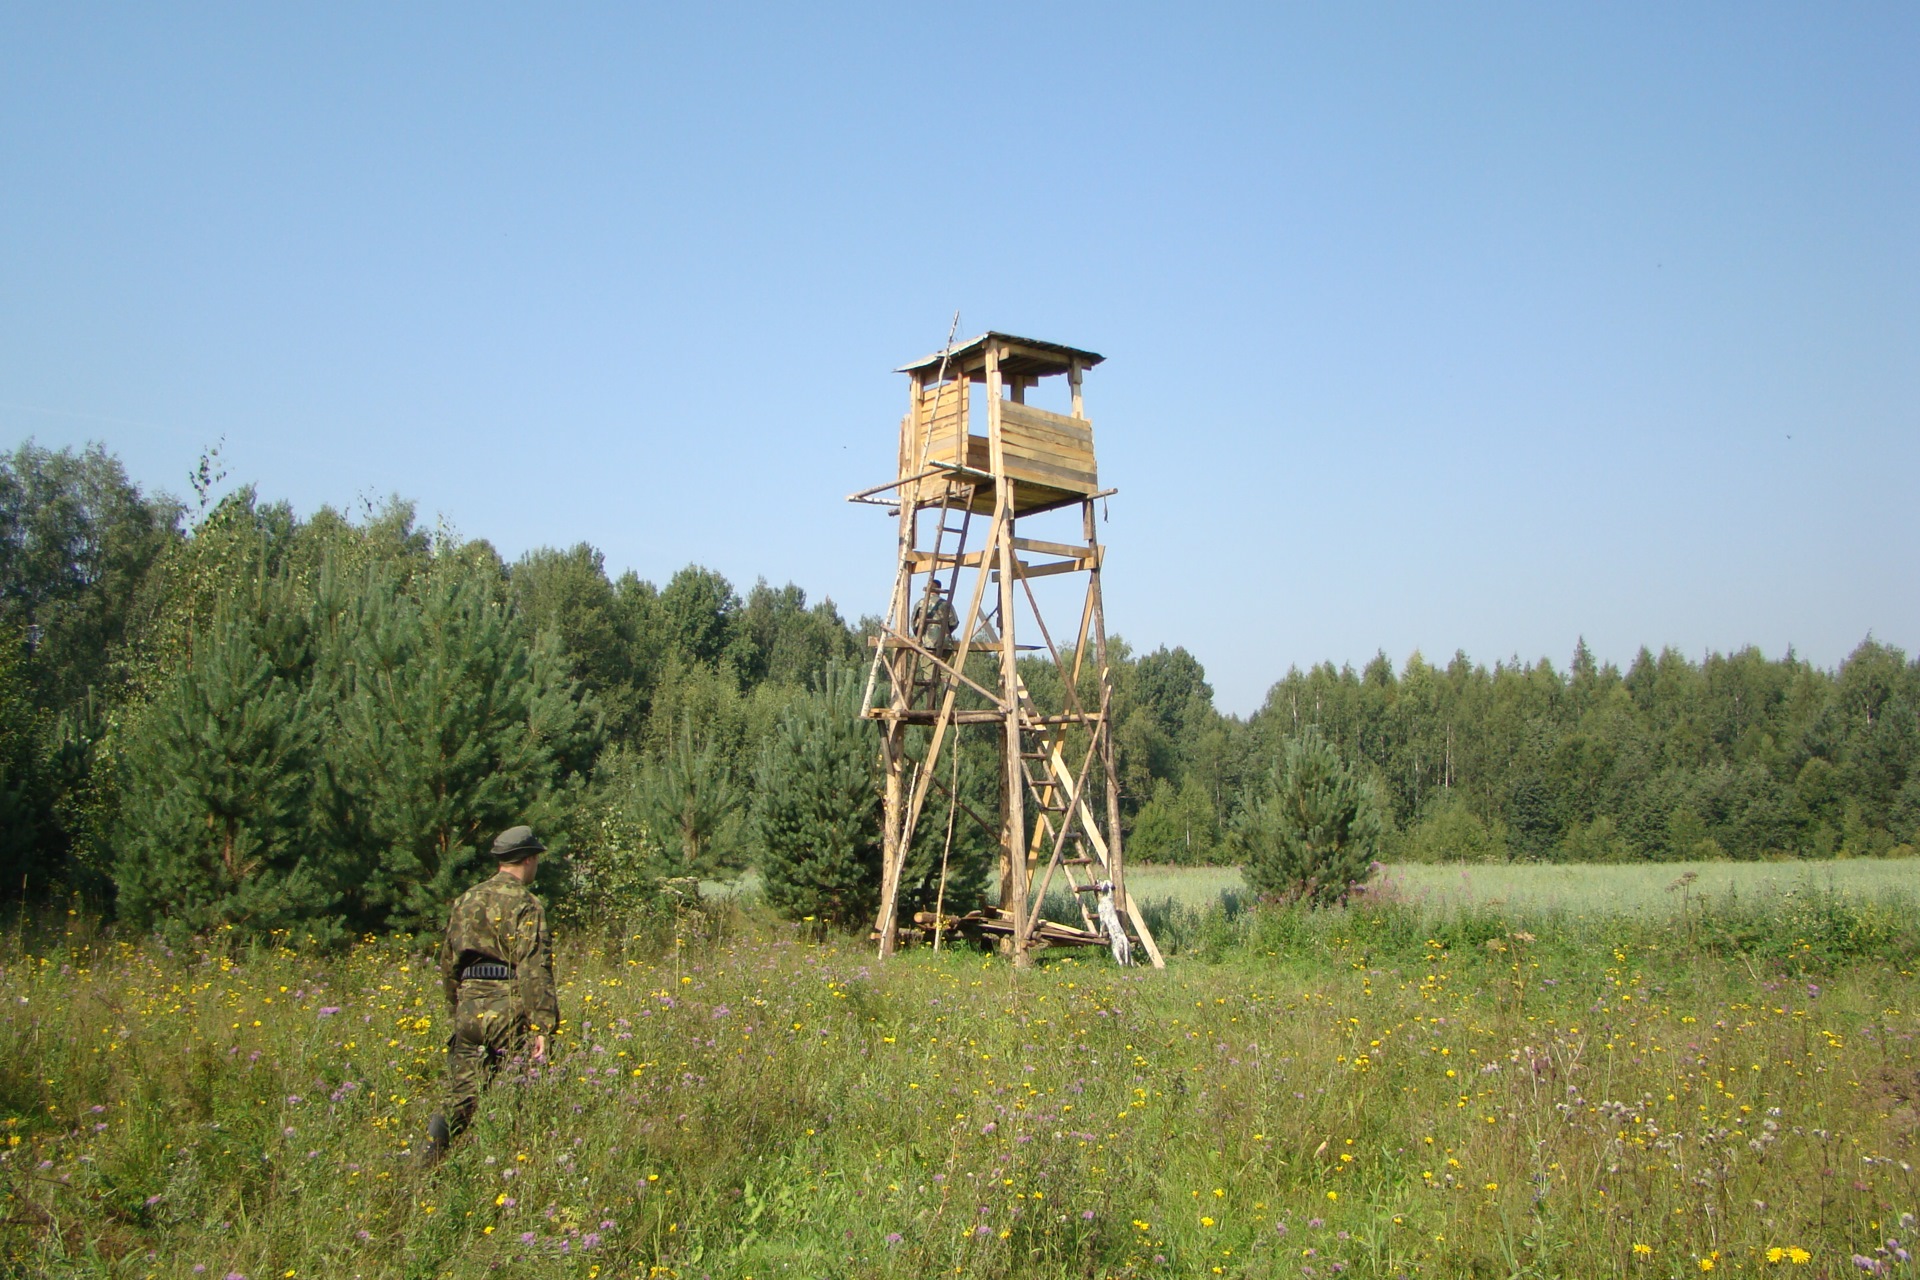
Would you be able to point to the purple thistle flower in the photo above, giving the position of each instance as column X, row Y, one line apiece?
column 894, row 1237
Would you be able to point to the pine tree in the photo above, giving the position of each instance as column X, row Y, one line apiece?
column 818, row 809
column 1314, row 838
column 451, row 729
column 215, row 788
column 688, row 799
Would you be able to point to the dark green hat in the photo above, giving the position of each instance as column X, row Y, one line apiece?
column 516, row 843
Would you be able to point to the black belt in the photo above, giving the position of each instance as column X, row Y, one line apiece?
column 486, row 969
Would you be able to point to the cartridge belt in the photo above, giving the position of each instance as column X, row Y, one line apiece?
column 486, row 970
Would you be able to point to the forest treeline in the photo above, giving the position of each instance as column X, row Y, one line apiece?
column 216, row 712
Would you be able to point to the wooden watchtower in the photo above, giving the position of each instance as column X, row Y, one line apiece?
column 977, row 466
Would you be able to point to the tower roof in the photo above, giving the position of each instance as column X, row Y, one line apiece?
column 1024, row 357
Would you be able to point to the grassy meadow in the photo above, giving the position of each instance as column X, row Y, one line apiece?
column 1421, row 1086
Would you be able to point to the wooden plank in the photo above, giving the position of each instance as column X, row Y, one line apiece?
column 1018, row 468
column 1033, row 499
column 978, row 456
column 1027, row 415
column 1052, row 455
column 1040, row 438
column 939, row 422
column 1076, row 470
column 1051, row 548
column 925, row 561
column 1042, row 471
column 928, row 715
column 1025, row 570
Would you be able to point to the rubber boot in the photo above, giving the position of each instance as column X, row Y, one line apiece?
column 439, row 1138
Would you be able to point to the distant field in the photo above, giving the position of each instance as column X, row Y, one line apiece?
column 1647, row 888
column 1636, row 889
column 1188, row 886
column 1594, row 889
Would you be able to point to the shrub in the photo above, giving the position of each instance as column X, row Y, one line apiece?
column 1313, row 839
column 818, row 810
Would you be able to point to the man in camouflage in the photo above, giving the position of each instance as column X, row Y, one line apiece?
column 497, row 968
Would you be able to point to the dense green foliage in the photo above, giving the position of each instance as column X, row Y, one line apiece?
column 819, row 808
column 238, row 716
column 1735, row 756
column 1313, row 837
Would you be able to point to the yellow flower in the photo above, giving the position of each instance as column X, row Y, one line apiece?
column 1706, row 1264
column 1206, row 1222
column 1333, row 1195
column 1643, row 1248
column 1798, row 1256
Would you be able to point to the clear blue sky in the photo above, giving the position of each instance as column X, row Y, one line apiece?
column 1427, row 327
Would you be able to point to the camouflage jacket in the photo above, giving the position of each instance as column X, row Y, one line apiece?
column 501, row 920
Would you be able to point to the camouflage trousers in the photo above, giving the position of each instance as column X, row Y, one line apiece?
column 487, row 1034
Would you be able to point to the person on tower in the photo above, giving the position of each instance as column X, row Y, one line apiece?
column 934, row 622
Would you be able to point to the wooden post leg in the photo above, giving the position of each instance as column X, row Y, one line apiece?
column 887, row 923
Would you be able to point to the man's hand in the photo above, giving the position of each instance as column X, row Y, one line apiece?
column 540, row 1048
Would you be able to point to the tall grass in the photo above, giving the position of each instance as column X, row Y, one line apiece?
column 1378, row 1091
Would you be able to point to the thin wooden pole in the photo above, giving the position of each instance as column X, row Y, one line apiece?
column 1016, row 847
column 953, row 812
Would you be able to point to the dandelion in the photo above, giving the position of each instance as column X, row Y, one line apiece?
column 1206, row 1222
column 1643, row 1249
